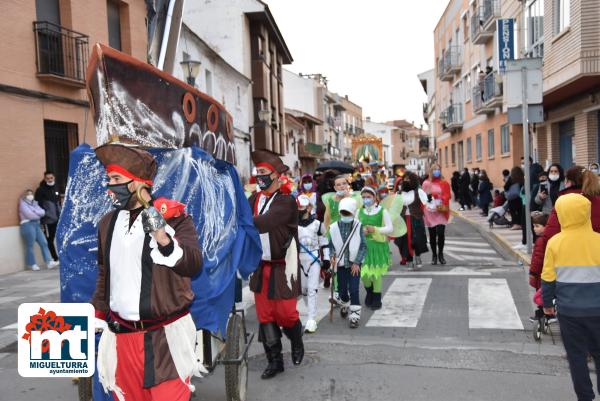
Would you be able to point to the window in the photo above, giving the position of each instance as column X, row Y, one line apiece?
column 505, row 139
column 453, row 154
column 114, row 24
column 440, row 156
column 469, row 150
column 534, row 26
column 491, row 145
column 209, row 90
column 478, row 150
column 48, row 10
column 562, row 15
column 446, row 155
column 239, row 97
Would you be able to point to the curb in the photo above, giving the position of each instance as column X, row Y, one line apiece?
column 504, row 244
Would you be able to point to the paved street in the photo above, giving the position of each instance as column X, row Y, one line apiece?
column 454, row 332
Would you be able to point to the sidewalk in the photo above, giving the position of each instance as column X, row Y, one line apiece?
column 507, row 238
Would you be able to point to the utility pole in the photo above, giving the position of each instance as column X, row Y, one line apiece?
column 526, row 156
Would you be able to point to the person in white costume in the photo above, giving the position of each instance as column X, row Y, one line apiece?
column 313, row 244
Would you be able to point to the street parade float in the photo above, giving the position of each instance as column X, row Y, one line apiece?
column 191, row 137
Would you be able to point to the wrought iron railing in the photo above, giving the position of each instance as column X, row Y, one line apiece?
column 453, row 116
column 486, row 91
column 60, row 51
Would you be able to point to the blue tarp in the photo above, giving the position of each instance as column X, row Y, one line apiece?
column 215, row 199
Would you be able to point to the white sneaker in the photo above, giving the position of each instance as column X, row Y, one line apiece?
column 35, row 267
column 519, row 247
column 311, row 326
column 53, row 264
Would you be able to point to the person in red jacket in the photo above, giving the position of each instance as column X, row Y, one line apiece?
column 577, row 180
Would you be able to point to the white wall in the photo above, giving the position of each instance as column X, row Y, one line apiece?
column 223, row 25
column 299, row 93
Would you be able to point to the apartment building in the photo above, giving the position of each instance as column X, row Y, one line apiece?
column 43, row 102
column 567, row 34
column 411, row 146
column 471, row 126
column 351, row 125
column 248, row 38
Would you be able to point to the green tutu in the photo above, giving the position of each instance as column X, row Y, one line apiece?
column 377, row 260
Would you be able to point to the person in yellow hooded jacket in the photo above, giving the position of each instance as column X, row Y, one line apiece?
column 571, row 277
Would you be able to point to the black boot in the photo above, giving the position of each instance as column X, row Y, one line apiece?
column 441, row 253
column 369, row 297
column 434, row 258
column 270, row 335
column 376, row 304
column 294, row 333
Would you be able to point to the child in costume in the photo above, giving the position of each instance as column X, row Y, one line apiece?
column 348, row 247
column 311, row 237
column 377, row 225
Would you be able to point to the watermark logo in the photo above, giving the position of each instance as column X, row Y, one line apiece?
column 56, row 340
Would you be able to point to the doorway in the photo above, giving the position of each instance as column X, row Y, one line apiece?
column 566, row 131
column 60, row 139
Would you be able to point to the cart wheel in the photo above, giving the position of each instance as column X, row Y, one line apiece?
column 537, row 331
column 84, row 388
column 236, row 376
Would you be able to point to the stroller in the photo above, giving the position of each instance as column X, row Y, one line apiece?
column 497, row 216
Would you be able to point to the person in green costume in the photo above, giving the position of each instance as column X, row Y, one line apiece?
column 377, row 225
column 342, row 188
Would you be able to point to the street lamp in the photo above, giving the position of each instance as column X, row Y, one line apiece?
column 190, row 70
column 264, row 115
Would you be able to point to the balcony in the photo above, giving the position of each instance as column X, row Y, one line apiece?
column 310, row 150
column 425, row 112
column 450, row 63
column 61, row 54
column 487, row 95
column 452, row 118
column 483, row 21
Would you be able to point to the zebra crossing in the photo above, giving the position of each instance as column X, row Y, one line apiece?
column 490, row 300
column 470, row 250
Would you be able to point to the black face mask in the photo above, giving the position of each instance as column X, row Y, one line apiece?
column 121, row 195
column 264, row 181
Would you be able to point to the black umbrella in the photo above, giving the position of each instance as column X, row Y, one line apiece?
column 337, row 165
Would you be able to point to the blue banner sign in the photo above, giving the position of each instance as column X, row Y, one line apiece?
column 506, row 42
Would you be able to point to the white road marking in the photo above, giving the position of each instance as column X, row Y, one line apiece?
column 457, row 271
column 469, row 250
column 478, row 258
column 455, row 256
column 464, row 243
column 322, row 305
column 491, row 305
column 10, row 327
column 402, row 303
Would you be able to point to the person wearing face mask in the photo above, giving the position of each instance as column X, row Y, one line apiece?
column 308, row 188
column 414, row 243
column 30, row 214
column 465, row 190
column 377, row 225
column 594, row 168
column 347, row 248
column 276, row 283
column 314, row 256
column 47, row 196
column 437, row 212
column 143, row 290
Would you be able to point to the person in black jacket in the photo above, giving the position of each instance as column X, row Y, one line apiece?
column 48, row 197
column 465, row 190
column 475, row 187
column 485, row 192
column 455, row 185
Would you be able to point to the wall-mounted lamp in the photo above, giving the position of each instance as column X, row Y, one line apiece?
column 190, row 70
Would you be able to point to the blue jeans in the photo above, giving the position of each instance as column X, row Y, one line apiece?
column 32, row 232
column 581, row 336
column 347, row 283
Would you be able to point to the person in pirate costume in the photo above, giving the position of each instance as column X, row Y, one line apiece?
column 276, row 281
column 143, row 292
